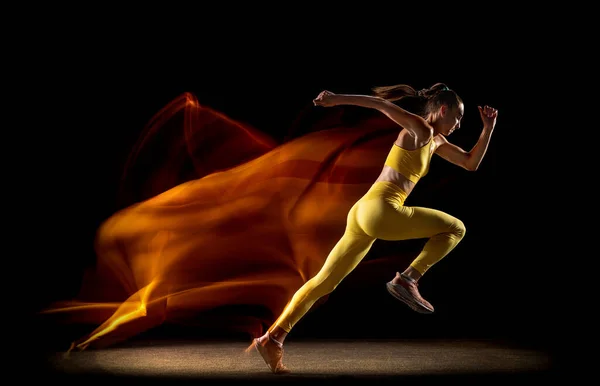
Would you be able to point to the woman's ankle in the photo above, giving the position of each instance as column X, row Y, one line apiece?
column 277, row 335
column 272, row 339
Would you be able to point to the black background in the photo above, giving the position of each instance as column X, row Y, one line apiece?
column 91, row 96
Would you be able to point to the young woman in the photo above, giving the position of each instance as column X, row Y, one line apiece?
column 381, row 214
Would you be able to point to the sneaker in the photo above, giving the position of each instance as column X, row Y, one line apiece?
column 406, row 291
column 272, row 353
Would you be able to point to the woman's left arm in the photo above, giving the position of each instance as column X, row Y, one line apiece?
column 470, row 160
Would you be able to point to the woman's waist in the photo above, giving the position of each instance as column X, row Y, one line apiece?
column 386, row 190
column 390, row 175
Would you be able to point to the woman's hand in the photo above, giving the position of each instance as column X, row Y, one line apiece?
column 325, row 99
column 488, row 116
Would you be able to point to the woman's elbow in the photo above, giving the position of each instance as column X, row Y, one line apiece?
column 470, row 166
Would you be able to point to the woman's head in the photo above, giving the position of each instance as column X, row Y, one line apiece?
column 439, row 105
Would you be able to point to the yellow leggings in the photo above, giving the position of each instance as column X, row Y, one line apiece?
column 379, row 214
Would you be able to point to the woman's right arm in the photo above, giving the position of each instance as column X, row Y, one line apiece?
column 415, row 124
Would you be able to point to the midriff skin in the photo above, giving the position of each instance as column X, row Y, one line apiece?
column 388, row 174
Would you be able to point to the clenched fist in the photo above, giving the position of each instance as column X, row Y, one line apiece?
column 325, row 99
column 488, row 116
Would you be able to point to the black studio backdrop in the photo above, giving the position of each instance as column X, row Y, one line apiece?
column 491, row 286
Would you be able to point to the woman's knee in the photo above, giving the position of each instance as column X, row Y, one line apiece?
column 458, row 228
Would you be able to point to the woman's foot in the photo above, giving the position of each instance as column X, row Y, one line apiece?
column 405, row 289
column 272, row 353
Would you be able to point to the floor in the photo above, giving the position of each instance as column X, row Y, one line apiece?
column 326, row 361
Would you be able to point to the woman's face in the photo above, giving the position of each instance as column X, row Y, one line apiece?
column 450, row 119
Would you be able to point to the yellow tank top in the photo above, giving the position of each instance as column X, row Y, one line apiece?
column 412, row 164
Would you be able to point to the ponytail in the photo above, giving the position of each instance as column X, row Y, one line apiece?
column 393, row 93
column 419, row 102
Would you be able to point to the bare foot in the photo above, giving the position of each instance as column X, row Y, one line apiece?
column 272, row 353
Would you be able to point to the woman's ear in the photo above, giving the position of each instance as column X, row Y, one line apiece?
column 443, row 111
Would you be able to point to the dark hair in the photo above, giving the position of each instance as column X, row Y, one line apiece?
column 421, row 102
